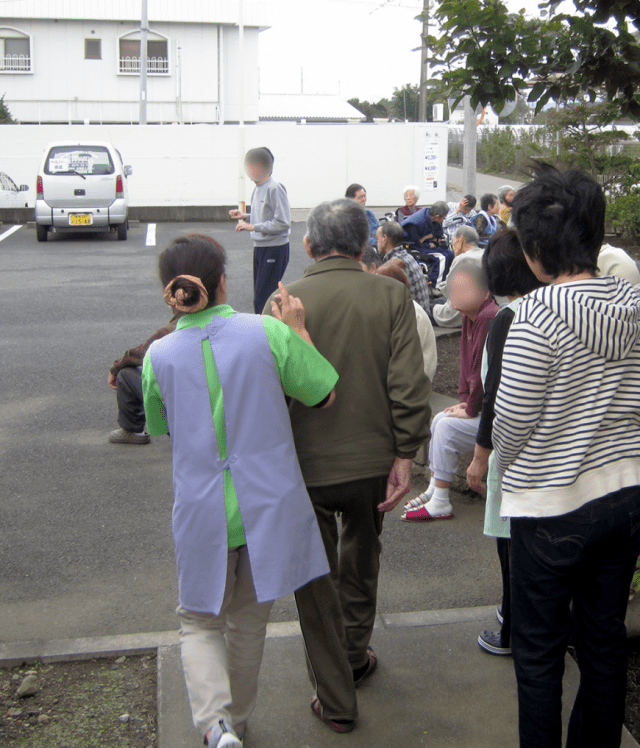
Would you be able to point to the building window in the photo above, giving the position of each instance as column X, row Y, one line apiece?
column 15, row 51
column 93, row 49
column 157, row 54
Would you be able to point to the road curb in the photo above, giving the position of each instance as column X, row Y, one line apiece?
column 17, row 653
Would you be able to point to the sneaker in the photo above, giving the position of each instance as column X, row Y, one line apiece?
column 491, row 642
column 229, row 740
column 122, row 436
column 499, row 615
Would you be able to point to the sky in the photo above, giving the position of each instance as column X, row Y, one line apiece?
column 354, row 48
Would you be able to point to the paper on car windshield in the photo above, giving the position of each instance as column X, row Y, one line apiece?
column 80, row 161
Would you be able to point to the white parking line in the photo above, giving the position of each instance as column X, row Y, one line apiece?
column 8, row 232
column 151, row 235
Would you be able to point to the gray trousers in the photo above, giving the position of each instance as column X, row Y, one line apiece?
column 451, row 438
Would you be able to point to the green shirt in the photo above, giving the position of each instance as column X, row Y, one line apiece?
column 304, row 373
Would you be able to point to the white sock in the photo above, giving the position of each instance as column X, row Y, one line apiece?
column 432, row 487
column 439, row 503
column 139, row 433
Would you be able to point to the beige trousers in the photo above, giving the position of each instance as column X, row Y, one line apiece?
column 221, row 655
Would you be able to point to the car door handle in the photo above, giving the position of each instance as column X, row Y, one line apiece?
column 78, row 192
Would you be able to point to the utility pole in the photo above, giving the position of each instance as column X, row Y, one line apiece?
column 469, row 149
column 424, row 64
column 144, row 35
column 241, row 144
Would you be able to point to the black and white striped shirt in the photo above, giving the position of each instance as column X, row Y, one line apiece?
column 567, row 425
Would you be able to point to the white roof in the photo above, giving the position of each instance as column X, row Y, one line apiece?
column 306, row 106
column 177, row 11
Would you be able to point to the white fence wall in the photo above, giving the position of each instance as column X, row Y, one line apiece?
column 195, row 165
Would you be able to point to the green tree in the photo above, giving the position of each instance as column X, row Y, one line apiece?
column 5, row 114
column 405, row 100
column 585, row 141
column 370, row 109
column 491, row 54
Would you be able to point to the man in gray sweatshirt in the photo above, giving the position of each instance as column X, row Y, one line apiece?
column 269, row 224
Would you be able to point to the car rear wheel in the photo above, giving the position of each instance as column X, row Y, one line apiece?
column 41, row 232
column 122, row 231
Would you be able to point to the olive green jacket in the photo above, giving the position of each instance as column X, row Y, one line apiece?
column 365, row 325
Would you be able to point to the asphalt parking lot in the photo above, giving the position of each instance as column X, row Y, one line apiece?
column 85, row 526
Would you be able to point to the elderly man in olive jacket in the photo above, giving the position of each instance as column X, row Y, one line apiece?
column 355, row 456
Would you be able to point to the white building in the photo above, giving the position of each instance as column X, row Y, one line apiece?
column 70, row 61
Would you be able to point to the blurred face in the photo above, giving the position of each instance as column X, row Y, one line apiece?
column 410, row 198
column 457, row 244
column 464, row 207
column 508, row 198
column 256, row 172
column 361, row 197
column 466, row 295
column 437, row 219
column 383, row 242
column 493, row 209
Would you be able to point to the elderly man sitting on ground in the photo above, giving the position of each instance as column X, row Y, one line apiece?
column 466, row 250
column 390, row 237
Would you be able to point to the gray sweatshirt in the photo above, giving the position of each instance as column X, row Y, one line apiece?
column 270, row 214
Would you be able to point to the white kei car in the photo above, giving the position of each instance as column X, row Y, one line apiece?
column 82, row 187
column 10, row 194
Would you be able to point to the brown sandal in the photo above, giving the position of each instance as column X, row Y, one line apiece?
column 341, row 727
column 371, row 667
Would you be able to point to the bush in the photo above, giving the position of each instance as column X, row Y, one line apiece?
column 624, row 214
column 5, row 114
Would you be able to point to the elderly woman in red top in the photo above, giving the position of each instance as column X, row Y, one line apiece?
column 411, row 196
column 453, row 432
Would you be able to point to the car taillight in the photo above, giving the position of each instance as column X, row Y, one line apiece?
column 119, row 187
column 39, row 188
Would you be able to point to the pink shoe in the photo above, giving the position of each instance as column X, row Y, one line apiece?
column 422, row 515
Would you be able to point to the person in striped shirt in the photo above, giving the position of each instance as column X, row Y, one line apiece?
column 566, row 436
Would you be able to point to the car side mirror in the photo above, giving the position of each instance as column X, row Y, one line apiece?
column 128, row 171
column 23, row 188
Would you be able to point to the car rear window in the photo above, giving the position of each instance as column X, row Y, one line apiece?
column 77, row 159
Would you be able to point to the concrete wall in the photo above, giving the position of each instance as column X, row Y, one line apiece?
column 200, row 165
column 64, row 87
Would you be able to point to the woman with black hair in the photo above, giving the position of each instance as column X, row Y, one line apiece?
column 567, row 440
column 509, row 276
column 243, row 525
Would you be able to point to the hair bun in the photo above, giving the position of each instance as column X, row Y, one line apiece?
column 186, row 293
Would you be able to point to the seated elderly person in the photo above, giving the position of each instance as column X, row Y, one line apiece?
column 506, row 193
column 390, row 237
column 358, row 193
column 466, row 250
column 454, row 431
column 486, row 222
column 460, row 214
column 125, row 377
column 411, row 196
column 423, row 230
column 395, row 268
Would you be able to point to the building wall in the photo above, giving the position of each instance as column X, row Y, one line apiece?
column 64, row 87
column 201, row 165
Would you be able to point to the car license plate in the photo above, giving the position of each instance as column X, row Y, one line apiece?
column 80, row 219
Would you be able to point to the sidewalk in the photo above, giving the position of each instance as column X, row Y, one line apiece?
column 434, row 686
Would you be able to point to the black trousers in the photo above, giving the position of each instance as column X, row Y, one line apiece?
column 130, row 404
column 269, row 264
column 337, row 612
column 573, row 571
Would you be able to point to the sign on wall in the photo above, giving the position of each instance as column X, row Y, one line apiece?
column 431, row 164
